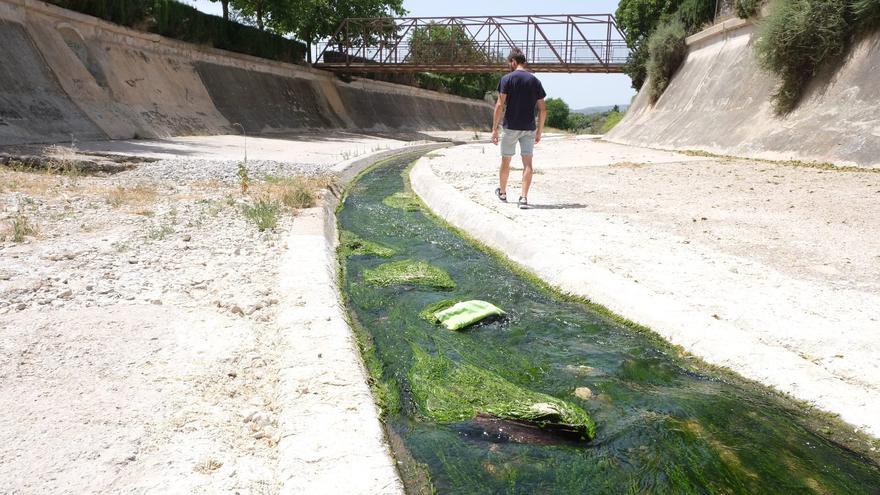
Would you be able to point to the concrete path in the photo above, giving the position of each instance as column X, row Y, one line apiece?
column 768, row 269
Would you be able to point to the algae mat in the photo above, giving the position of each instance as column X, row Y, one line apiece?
column 664, row 423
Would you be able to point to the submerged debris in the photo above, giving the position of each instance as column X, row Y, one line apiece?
column 403, row 200
column 409, row 272
column 429, row 314
column 351, row 244
column 448, row 392
column 466, row 313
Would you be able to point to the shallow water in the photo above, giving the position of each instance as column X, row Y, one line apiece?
column 665, row 424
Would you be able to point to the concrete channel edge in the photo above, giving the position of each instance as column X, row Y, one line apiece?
column 331, row 436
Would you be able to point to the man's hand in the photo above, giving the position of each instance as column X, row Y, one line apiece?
column 538, row 136
column 495, row 136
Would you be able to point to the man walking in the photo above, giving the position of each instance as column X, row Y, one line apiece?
column 519, row 93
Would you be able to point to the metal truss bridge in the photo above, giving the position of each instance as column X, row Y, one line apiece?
column 552, row 43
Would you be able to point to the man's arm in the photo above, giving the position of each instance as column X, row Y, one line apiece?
column 496, row 117
column 542, row 116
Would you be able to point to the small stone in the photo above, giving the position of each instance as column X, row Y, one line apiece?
column 248, row 414
column 583, row 393
column 21, row 306
column 67, row 294
column 234, row 309
column 132, row 261
column 187, row 238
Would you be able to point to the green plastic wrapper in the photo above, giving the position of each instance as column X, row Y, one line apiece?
column 466, row 313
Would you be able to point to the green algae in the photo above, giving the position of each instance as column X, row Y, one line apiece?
column 351, row 244
column 666, row 423
column 406, row 201
column 448, row 392
column 409, row 272
column 427, row 314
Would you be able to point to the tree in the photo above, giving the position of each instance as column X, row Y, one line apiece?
column 447, row 44
column 261, row 10
column 313, row 20
column 557, row 113
column 225, row 4
column 444, row 44
column 639, row 18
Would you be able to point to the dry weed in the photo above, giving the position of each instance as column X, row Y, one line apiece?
column 294, row 192
column 139, row 195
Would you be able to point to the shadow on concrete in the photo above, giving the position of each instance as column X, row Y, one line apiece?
column 561, row 206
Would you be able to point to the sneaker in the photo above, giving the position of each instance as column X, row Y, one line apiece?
column 523, row 203
column 501, row 195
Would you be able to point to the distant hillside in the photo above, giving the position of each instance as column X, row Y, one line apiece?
column 591, row 110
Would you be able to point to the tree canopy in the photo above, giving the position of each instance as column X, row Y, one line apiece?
column 557, row 113
column 638, row 19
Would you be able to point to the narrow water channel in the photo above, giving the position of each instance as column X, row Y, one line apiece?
column 664, row 423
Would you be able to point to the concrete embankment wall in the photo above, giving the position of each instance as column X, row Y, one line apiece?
column 719, row 101
column 66, row 76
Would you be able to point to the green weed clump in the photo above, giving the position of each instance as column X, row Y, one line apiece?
column 22, row 227
column 351, row 244
column 796, row 40
column 666, row 52
column 264, row 213
column 408, row 272
column 403, row 201
column 449, row 392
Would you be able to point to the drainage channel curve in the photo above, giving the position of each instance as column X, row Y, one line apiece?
column 665, row 423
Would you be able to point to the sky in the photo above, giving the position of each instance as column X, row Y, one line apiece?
column 578, row 90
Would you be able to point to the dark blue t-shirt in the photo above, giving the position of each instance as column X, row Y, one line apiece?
column 523, row 91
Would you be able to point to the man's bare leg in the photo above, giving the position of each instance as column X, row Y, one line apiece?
column 504, row 173
column 527, row 175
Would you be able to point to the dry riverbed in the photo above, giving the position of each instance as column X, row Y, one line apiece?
column 139, row 343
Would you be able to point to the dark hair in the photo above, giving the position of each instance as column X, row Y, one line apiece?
column 516, row 55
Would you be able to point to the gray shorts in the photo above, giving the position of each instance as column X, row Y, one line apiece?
column 510, row 137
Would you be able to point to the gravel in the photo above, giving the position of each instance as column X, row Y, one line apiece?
column 181, row 171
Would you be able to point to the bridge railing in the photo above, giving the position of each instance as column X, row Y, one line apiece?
column 565, row 43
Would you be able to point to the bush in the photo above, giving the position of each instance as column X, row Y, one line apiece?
column 666, row 51
column 636, row 66
column 264, row 213
column 457, row 84
column 866, row 14
column 747, row 8
column 578, row 122
column 557, row 113
column 176, row 20
column 797, row 39
column 639, row 19
column 694, row 14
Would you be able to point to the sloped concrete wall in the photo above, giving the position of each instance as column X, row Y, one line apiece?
column 32, row 103
column 719, row 101
column 64, row 75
